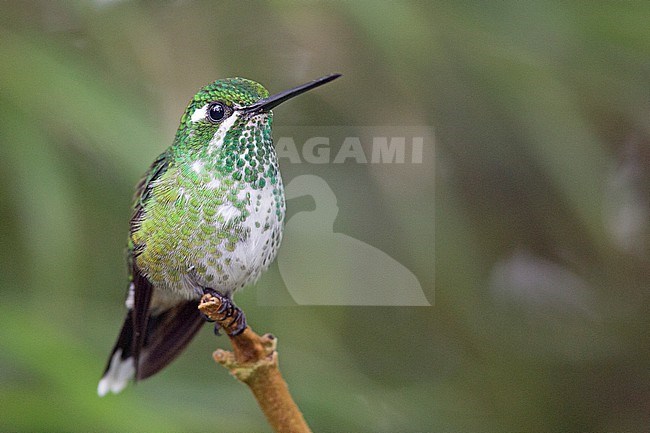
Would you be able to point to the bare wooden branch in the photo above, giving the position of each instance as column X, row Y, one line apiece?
column 254, row 361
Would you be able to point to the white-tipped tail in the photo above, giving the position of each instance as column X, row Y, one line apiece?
column 117, row 376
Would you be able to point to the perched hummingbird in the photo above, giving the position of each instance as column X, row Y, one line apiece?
column 207, row 218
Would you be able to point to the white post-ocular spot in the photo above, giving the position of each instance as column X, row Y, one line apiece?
column 199, row 114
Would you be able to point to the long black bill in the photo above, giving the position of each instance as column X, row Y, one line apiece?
column 273, row 101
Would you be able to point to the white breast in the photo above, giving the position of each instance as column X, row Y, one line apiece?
column 261, row 231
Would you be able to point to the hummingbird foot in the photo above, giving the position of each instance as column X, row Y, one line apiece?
column 207, row 318
column 227, row 310
column 237, row 318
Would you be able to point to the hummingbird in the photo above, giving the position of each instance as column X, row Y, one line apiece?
column 207, row 217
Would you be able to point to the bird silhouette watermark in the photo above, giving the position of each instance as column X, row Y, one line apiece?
column 317, row 264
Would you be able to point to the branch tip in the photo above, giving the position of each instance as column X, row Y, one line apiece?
column 254, row 361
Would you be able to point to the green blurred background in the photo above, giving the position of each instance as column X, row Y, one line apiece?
column 541, row 263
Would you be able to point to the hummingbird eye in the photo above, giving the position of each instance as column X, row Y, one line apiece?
column 217, row 111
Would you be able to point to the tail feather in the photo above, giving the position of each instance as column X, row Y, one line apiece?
column 165, row 337
column 120, row 367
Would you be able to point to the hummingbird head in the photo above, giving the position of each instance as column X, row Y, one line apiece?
column 235, row 103
column 229, row 122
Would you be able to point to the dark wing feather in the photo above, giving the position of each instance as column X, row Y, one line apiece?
column 140, row 313
column 124, row 342
column 167, row 336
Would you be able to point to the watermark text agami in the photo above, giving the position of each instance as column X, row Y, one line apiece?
column 362, row 150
